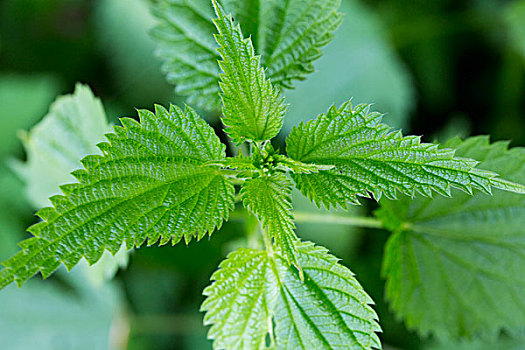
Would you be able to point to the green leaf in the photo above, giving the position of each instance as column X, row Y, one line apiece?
column 328, row 310
column 149, row 184
column 296, row 32
column 294, row 166
column 54, row 147
column 240, row 303
column 275, row 161
column 455, row 267
column 269, row 198
column 185, row 43
column 123, row 37
column 239, row 162
column 256, row 293
column 288, row 35
column 253, row 109
column 360, row 62
column 370, row 159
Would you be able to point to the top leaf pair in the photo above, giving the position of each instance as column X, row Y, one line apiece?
column 367, row 159
column 288, row 36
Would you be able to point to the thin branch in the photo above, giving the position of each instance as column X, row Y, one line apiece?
column 360, row 221
column 314, row 218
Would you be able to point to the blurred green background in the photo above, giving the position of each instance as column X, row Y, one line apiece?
column 436, row 68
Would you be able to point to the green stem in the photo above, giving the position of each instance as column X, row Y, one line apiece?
column 335, row 219
column 360, row 221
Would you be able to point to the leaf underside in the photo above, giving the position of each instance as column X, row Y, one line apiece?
column 70, row 131
column 287, row 35
column 185, row 43
column 149, row 185
column 371, row 160
column 462, row 258
column 329, row 310
column 54, row 147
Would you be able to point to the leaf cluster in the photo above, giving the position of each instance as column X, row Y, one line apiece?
column 287, row 36
column 166, row 178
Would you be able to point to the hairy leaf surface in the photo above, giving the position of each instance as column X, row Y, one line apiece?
column 269, row 198
column 296, row 32
column 329, row 310
column 54, row 147
column 185, row 43
column 149, row 185
column 288, row 35
column 241, row 301
column 456, row 266
column 253, row 109
column 370, row 159
column 253, row 289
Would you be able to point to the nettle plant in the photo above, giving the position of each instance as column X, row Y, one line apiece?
column 454, row 267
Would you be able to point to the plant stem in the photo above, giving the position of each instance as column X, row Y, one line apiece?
column 335, row 219
column 360, row 221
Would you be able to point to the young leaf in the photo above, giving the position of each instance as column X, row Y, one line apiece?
column 240, row 162
column 253, row 108
column 253, row 291
column 297, row 167
column 370, row 160
column 269, row 198
column 240, row 303
column 186, row 45
column 69, row 132
column 455, row 267
column 328, row 310
column 149, row 184
column 287, row 34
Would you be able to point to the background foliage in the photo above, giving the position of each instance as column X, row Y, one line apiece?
column 439, row 68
